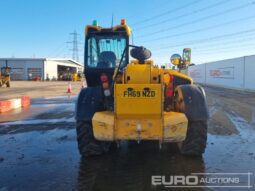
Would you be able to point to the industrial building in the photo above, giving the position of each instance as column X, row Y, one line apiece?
column 40, row 68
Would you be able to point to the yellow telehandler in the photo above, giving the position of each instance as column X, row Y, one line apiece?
column 135, row 99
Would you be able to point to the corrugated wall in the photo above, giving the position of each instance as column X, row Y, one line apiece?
column 236, row 73
column 19, row 68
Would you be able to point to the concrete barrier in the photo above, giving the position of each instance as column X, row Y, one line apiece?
column 237, row 73
column 15, row 103
column 25, row 101
column 8, row 105
column 5, row 106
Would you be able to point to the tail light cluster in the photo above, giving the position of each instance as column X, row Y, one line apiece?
column 105, row 84
column 170, row 87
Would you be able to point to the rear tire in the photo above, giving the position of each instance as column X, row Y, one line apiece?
column 195, row 109
column 196, row 138
column 87, row 144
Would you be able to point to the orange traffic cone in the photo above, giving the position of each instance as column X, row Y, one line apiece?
column 69, row 89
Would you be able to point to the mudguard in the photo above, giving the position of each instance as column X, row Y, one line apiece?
column 195, row 107
column 90, row 100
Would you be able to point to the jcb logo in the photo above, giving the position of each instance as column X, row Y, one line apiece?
column 137, row 94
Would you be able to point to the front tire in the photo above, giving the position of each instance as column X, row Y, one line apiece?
column 196, row 138
column 87, row 144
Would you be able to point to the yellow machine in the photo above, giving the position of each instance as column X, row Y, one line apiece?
column 139, row 112
column 76, row 77
column 5, row 77
column 136, row 100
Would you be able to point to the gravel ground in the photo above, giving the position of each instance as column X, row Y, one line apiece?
column 39, row 89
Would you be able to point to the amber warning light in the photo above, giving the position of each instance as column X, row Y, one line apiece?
column 123, row 21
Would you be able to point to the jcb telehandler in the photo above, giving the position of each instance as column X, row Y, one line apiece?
column 136, row 100
column 5, row 76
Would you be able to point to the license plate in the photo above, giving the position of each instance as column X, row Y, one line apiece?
column 139, row 94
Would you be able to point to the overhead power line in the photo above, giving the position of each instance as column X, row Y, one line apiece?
column 199, row 20
column 222, row 46
column 61, row 52
column 215, row 47
column 219, row 45
column 183, row 15
column 158, row 6
column 201, row 29
column 225, row 43
column 207, row 39
column 167, row 12
column 57, row 50
column 232, row 49
column 242, row 45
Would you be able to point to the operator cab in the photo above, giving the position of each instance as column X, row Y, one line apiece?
column 103, row 51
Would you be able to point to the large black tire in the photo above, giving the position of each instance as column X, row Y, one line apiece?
column 191, row 100
column 196, row 138
column 87, row 144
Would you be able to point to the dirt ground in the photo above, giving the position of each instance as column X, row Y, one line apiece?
column 225, row 103
column 36, row 89
column 39, row 149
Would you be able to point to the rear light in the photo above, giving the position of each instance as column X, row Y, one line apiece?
column 171, row 78
column 169, row 87
column 105, row 84
column 104, row 78
column 169, row 92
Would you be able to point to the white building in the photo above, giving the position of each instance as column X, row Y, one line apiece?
column 43, row 68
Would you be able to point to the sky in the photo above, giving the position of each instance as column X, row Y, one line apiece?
column 213, row 29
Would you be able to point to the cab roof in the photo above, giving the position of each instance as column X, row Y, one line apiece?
column 93, row 29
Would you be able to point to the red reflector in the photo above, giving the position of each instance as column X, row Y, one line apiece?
column 104, row 78
column 169, row 92
column 171, row 78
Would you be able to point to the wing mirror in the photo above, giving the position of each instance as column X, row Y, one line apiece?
column 182, row 62
column 176, row 59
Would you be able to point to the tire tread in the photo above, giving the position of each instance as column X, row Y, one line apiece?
column 87, row 144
